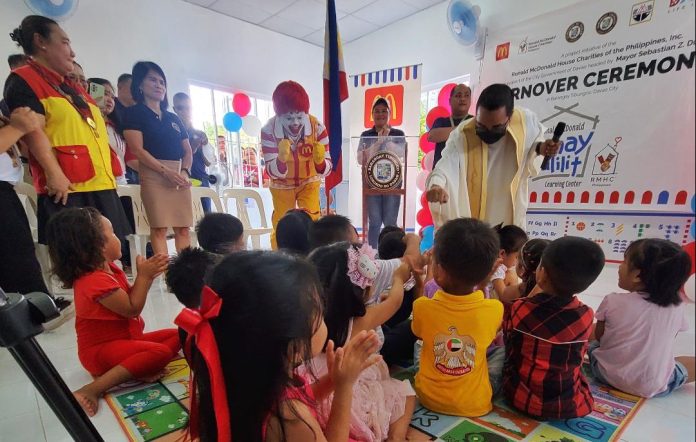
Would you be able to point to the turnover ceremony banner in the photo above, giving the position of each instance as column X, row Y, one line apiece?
column 620, row 74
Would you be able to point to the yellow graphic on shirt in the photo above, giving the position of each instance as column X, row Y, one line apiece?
column 454, row 354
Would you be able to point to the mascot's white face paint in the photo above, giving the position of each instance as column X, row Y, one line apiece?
column 293, row 122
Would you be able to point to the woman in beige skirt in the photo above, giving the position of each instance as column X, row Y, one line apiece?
column 160, row 142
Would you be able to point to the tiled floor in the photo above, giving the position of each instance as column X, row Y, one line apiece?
column 24, row 415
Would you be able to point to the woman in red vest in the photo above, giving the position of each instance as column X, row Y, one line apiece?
column 71, row 162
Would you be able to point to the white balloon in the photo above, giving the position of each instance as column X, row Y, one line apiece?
column 251, row 125
column 421, row 179
column 429, row 159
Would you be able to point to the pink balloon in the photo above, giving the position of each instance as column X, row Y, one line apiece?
column 434, row 114
column 425, row 145
column 428, row 160
column 241, row 104
column 443, row 98
column 421, row 178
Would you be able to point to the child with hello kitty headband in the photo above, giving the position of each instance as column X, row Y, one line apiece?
column 382, row 407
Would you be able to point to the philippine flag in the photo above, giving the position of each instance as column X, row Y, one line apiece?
column 335, row 91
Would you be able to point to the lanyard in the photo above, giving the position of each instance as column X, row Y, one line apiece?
column 85, row 113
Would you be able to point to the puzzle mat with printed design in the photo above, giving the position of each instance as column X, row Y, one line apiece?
column 613, row 411
column 157, row 411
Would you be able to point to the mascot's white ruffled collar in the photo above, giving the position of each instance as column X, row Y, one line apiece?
column 278, row 130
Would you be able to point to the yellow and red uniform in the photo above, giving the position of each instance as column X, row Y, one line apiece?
column 82, row 151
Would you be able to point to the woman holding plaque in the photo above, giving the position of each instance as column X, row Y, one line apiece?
column 381, row 209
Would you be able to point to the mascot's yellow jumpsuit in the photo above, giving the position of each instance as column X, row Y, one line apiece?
column 295, row 166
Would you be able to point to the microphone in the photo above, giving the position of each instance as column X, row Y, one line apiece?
column 557, row 132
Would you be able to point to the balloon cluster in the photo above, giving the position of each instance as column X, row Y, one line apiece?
column 423, row 216
column 240, row 118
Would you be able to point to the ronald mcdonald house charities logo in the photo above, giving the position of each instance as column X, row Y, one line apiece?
column 642, row 12
column 502, row 51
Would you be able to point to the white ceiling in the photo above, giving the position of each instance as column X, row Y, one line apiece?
column 305, row 19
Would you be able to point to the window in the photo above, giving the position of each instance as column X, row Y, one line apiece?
column 237, row 154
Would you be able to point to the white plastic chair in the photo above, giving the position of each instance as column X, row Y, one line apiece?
column 240, row 196
column 137, row 242
column 30, row 207
column 196, row 194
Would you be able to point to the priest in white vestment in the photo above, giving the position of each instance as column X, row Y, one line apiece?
column 487, row 162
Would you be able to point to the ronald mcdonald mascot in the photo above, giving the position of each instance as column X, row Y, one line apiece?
column 296, row 152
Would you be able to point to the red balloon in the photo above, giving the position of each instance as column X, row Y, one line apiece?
column 425, row 145
column 434, row 114
column 241, row 104
column 443, row 97
column 424, row 217
column 424, row 201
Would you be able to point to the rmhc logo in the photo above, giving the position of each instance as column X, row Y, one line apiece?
column 502, row 51
column 394, row 96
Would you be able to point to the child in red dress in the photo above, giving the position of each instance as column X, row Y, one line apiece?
column 111, row 344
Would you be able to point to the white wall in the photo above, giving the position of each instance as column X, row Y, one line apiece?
column 189, row 42
column 425, row 38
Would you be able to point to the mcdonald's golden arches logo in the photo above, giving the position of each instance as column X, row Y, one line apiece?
column 502, row 51
column 394, row 96
column 305, row 149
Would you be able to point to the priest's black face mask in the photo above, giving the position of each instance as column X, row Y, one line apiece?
column 491, row 126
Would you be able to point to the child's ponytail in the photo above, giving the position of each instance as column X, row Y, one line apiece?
column 530, row 257
column 664, row 268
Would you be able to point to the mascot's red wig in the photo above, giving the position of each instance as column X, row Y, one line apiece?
column 289, row 96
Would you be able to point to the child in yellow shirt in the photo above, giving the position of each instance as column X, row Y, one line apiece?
column 458, row 324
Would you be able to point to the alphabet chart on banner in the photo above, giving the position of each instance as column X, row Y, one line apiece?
column 613, row 232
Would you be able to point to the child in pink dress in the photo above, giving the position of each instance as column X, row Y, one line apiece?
column 249, row 335
column 382, row 406
column 635, row 331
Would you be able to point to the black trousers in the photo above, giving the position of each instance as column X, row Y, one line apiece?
column 398, row 337
column 20, row 271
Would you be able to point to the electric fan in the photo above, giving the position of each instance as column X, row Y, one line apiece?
column 58, row 10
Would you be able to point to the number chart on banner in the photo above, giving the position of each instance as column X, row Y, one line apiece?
column 613, row 233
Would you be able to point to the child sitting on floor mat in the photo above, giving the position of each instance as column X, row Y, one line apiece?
column 635, row 331
column 458, row 324
column 111, row 344
column 382, row 406
column 252, row 331
column 546, row 335
column 530, row 257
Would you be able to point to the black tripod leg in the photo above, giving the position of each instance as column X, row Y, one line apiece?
column 46, row 379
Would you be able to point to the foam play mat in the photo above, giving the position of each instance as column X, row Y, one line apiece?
column 613, row 411
column 158, row 411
